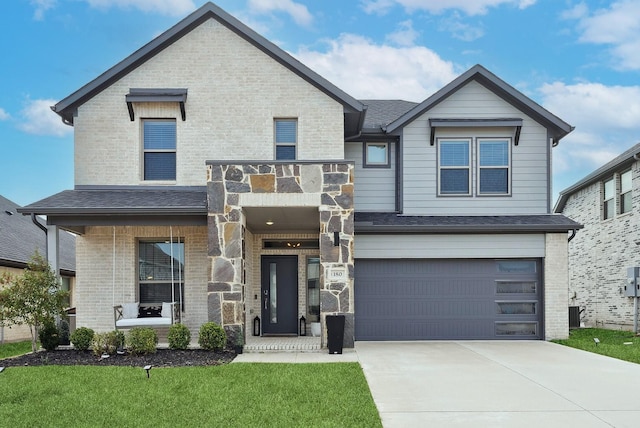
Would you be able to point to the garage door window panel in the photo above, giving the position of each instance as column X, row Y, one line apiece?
column 516, row 308
column 517, row 329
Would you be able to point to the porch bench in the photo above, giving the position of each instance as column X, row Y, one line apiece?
column 126, row 315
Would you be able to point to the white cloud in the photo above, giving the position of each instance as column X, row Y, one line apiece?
column 405, row 35
column 4, row 115
column 41, row 7
column 469, row 7
column 459, row 29
column 367, row 70
column 298, row 12
column 165, row 7
column 606, row 122
column 38, row 119
column 618, row 26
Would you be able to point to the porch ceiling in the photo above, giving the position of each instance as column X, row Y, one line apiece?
column 285, row 219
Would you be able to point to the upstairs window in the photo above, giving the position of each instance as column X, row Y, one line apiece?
column 609, row 199
column 454, row 168
column 286, row 138
column 493, row 166
column 625, row 192
column 159, row 149
column 376, row 155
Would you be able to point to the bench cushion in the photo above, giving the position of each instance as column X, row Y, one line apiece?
column 144, row 322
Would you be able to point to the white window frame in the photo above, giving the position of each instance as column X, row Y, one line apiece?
column 367, row 163
column 479, row 167
column 607, row 199
column 624, row 192
column 285, row 143
column 440, row 142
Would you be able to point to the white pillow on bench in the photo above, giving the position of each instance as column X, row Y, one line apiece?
column 130, row 310
column 166, row 310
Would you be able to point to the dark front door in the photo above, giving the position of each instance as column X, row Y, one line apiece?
column 280, row 295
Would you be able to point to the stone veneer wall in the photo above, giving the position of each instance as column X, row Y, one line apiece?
column 232, row 186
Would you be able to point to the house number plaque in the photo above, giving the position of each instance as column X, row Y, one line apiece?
column 337, row 273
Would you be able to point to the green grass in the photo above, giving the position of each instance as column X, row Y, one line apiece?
column 13, row 349
column 234, row 395
column 611, row 343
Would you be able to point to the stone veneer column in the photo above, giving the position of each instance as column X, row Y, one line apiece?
column 333, row 185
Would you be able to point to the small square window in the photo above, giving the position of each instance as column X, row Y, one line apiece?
column 376, row 155
column 286, row 138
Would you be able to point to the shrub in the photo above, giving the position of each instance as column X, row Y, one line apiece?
column 106, row 343
column 142, row 340
column 82, row 338
column 48, row 335
column 179, row 336
column 63, row 332
column 212, row 337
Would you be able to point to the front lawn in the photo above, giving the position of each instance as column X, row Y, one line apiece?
column 247, row 395
column 13, row 349
column 612, row 343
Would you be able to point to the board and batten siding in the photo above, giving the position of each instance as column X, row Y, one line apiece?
column 445, row 246
column 529, row 160
column 374, row 188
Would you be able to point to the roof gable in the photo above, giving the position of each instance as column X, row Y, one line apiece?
column 67, row 107
column 557, row 127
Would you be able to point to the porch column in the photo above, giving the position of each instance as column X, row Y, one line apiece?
column 53, row 248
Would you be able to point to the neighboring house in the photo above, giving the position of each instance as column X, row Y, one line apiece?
column 280, row 196
column 19, row 240
column 606, row 203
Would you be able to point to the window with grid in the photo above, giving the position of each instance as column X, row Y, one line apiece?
column 454, row 168
column 161, row 272
column 609, row 199
column 625, row 192
column 286, row 136
column 493, row 166
column 159, row 149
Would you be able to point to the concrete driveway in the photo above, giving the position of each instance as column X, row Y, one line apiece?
column 499, row 384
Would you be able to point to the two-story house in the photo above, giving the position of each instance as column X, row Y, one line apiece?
column 600, row 255
column 215, row 170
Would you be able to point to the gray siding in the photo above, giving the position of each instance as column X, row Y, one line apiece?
column 449, row 246
column 529, row 160
column 374, row 187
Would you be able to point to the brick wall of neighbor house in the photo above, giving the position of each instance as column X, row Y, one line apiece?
column 556, row 317
column 234, row 93
column 599, row 256
column 328, row 186
column 101, row 286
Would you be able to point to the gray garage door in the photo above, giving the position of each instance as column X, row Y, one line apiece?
column 448, row 299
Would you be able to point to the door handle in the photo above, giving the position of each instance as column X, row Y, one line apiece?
column 265, row 303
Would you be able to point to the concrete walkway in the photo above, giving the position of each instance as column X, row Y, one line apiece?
column 499, row 384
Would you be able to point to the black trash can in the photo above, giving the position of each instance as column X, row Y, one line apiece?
column 335, row 333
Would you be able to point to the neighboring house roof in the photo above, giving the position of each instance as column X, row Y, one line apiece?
column 626, row 158
column 354, row 110
column 369, row 222
column 380, row 113
column 556, row 126
column 19, row 239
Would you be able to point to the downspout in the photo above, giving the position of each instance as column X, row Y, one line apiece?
column 46, row 235
column 573, row 235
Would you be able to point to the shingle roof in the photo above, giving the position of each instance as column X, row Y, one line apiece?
column 115, row 201
column 607, row 169
column 19, row 238
column 382, row 112
column 366, row 222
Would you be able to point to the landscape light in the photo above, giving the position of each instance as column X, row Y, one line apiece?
column 147, row 369
column 596, row 340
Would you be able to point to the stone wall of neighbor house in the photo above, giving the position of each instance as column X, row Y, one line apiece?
column 599, row 256
column 325, row 185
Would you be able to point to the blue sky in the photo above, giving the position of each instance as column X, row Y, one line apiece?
column 579, row 59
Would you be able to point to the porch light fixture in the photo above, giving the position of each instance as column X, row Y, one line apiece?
column 336, row 239
column 269, row 222
column 293, row 245
column 148, row 369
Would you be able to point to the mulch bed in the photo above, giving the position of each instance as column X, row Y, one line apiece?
column 162, row 358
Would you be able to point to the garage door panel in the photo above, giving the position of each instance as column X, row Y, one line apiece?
column 447, row 299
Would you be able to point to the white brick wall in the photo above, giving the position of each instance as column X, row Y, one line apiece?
column 235, row 92
column 100, row 286
column 556, row 317
column 599, row 256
